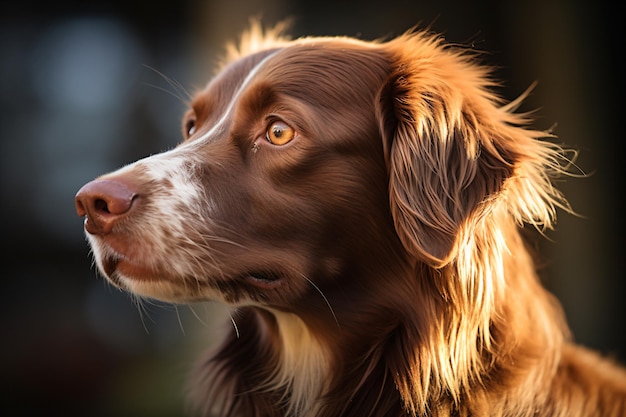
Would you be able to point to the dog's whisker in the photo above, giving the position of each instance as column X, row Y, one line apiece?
column 180, row 322
column 165, row 90
column 197, row 316
column 207, row 241
column 143, row 312
column 206, row 264
column 324, row 297
column 181, row 92
column 232, row 320
column 217, row 235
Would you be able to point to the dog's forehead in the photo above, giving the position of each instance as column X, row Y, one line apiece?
column 324, row 72
column 322, row 58
column 303, row 61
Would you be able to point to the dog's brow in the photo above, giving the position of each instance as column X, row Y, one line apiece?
column 213, row 131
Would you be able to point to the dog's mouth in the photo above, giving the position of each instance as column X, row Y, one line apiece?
column 114, row 267
column 118, row 269
column 264, row 279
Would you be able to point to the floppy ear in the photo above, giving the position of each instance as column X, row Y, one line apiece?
column 444, row 160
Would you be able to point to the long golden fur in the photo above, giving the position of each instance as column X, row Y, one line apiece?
column 405, row 287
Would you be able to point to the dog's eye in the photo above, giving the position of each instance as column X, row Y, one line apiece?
column 279, row 133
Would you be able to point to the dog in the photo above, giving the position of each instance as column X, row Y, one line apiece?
column 359, row 206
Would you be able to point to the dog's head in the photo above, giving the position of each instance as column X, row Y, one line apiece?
column 317, row 162
column 376, row 186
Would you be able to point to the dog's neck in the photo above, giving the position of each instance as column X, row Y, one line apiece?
column 399, row 337
column 318, row 371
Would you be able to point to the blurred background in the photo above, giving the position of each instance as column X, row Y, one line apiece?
column 87, row 86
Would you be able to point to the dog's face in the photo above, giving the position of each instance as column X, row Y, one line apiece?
column 281, row 166
column 316, row 166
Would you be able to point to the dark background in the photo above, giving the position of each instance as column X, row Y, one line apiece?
column 81, row 94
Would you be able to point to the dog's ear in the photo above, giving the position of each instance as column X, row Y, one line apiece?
column 446, row 155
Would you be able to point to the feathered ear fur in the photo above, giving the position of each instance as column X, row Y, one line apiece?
column 451, row 149
column 464, row 172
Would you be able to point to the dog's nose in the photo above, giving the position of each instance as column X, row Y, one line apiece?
column 103, row 202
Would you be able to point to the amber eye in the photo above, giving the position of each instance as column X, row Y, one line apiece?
column 189, row 127
column 279, row 133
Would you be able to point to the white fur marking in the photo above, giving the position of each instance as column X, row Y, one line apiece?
column 304, row 366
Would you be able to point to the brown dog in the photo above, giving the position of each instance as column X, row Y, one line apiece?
column 358, row 205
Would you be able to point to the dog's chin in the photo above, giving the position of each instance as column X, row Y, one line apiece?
column 159, row 289
column 115, row 267
column 144, row 282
